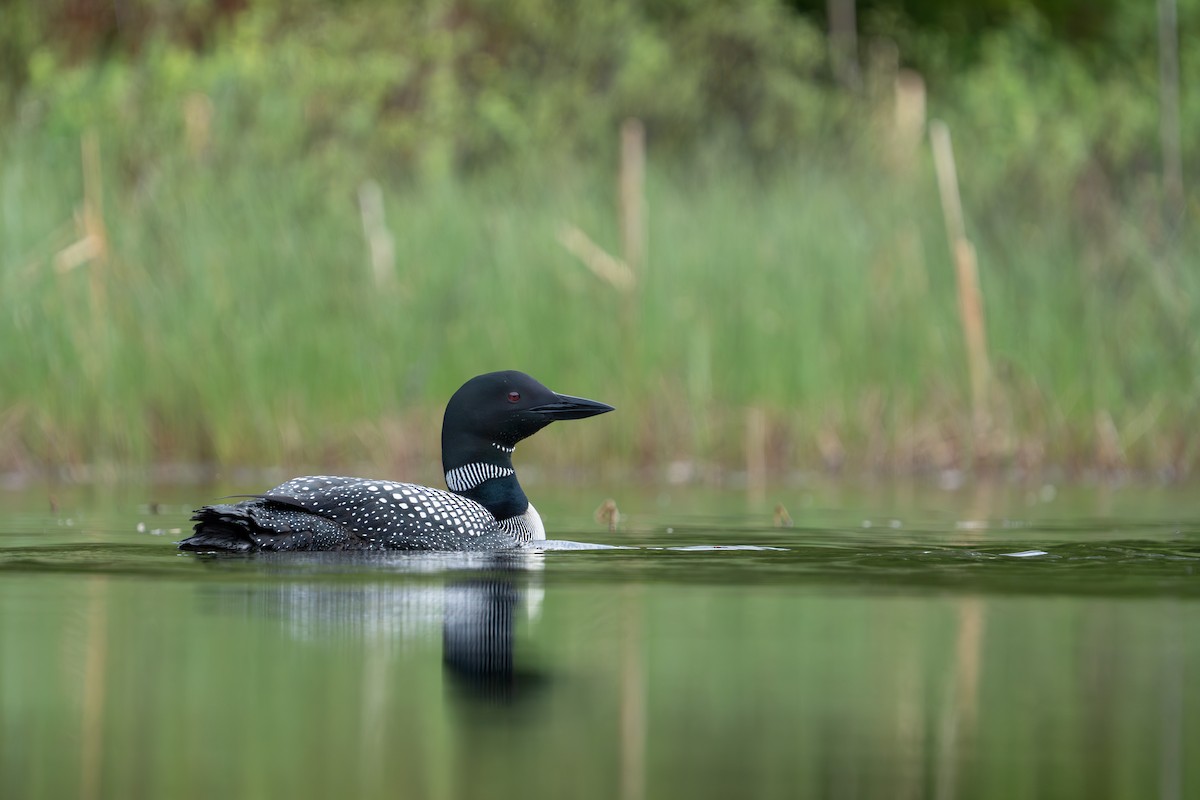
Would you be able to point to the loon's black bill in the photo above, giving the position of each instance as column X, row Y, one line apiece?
column 567, row 407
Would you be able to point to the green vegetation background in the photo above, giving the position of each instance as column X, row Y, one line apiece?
column 214, row 300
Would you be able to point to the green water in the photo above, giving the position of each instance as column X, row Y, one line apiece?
column 892, row 649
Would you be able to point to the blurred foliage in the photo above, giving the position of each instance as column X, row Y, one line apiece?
column 377, row 87
column 442, row 85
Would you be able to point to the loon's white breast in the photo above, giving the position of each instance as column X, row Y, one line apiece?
column 533, row 523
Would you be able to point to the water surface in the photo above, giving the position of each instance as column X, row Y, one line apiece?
column 902, row 642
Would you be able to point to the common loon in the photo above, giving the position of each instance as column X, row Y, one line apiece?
column 485, row 508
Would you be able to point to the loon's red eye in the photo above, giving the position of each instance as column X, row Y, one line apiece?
column 514, row 397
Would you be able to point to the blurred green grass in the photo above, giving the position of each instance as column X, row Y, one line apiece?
column 236, row 318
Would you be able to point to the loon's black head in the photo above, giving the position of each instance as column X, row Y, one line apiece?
column 484, row 421
column 505, row 407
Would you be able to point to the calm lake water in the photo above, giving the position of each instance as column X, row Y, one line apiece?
column 993, row 642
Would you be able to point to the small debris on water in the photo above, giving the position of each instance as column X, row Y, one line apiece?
column 1026, row 554
column 608, row 514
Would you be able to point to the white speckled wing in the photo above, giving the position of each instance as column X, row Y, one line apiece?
column 391, row 515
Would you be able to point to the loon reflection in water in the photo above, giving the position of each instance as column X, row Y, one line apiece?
column 477, row 607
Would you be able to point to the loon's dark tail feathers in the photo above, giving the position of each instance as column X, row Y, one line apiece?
column 222, row 528
column 259, row 524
